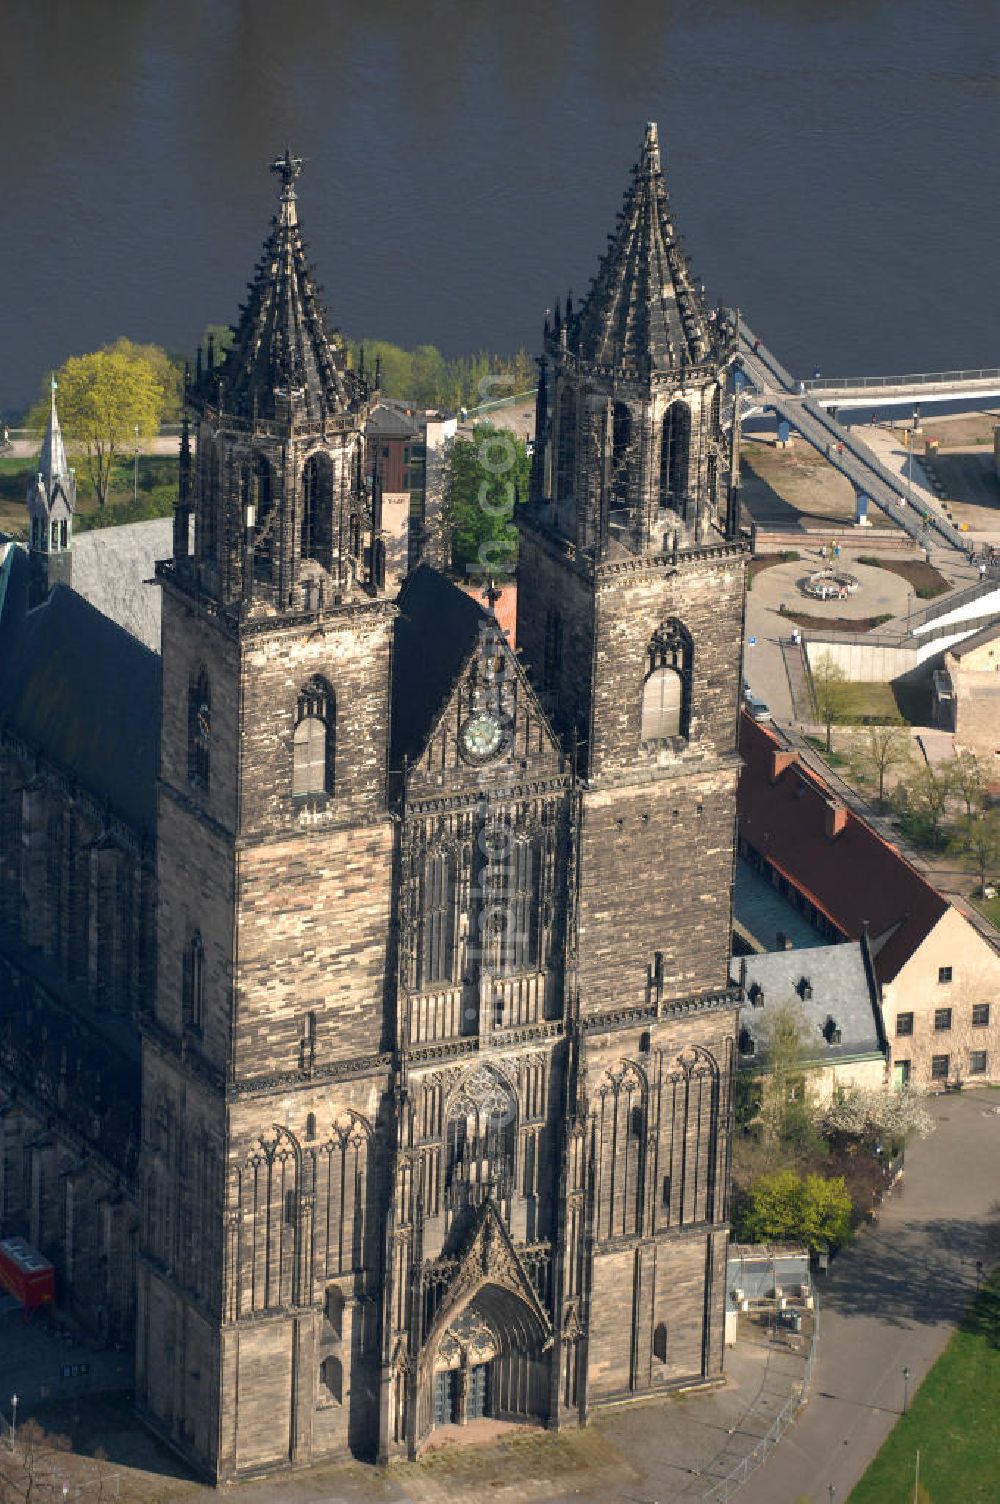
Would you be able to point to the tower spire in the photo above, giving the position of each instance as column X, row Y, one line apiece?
column 282, row 354
column 52, row 460
column 51, row 502
column 645, row 311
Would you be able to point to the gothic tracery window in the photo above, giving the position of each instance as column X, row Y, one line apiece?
column 437, row 931
column 317, row 501
column 265, row 520
column 199, row 730
column 666, row 690
column 314, row 740
column 621, row 453
column 675, row 455
column 482, row 1120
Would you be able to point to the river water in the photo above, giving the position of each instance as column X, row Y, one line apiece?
column 834, row 166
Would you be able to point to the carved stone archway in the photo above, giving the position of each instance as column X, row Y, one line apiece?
column 490, row 1325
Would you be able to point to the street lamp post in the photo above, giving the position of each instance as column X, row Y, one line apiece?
column 906, row 1390
column 135, row 469
column 13, row 1416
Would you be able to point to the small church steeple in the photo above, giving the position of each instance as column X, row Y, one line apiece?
column 51, row 502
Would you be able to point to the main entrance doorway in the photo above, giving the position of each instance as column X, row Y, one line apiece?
column 446, row 1397
column 448, row 1390
column 478, row 1394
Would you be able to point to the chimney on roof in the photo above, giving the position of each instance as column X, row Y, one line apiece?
column 783, row 941
column 782, row 758
column 836, row 818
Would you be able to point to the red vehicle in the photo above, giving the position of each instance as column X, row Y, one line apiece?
column 28, row 1276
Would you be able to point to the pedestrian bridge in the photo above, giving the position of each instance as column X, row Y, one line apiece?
column 767, row 384
column 904, row 391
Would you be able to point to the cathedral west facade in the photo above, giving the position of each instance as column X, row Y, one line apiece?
column 437, row 1034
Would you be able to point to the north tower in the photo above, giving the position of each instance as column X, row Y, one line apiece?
column 630, row 614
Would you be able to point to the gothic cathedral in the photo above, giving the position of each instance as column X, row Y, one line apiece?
column 437, row 1072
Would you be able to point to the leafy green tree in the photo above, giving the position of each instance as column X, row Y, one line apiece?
column 922, row 800
column 104, row 398
column 783, row 1207
column 824, row 1212
column 831, row 693
column 976, row 837
column 769, row 1208
column 168, row 372
column 484, row 476
column 878, row 750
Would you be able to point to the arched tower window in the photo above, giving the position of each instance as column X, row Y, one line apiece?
column 314, row 740
column 621, row 454
column 660, row 1342
column 566, row 445
column 675, row 456
column 265, row 550
column 194, row 984
column 317, row 505
column 666, row 690
column 437, row 930
column 199, row 730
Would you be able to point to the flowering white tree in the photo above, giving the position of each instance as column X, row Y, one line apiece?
column 868, row 1114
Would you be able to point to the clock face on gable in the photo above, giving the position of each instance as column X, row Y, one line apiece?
column 481, row 737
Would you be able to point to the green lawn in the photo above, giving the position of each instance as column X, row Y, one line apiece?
column 874, row 702
column 989, row 908
column 953, row 1421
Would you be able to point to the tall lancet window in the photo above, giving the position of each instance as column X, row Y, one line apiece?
column 675, row 456
column 519, row 949
column 265, row 550
column 199, row 730
column 314, row 740
column 666, row 689
column 621, row 454
column 437, row 928
column 317, row 506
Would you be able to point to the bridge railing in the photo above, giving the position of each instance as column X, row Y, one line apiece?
column 922, row 378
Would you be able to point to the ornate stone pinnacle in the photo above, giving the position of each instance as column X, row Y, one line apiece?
column 288, row 169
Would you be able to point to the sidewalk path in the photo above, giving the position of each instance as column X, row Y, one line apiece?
column 891, row 1302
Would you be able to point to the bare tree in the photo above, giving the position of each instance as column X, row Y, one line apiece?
column 831, row 693
column 878, row 750
column 968, row 778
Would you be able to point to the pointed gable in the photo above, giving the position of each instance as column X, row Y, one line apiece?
column 644, row 311
column 451, row 662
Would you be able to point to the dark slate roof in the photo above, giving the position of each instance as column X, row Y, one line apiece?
column 764, row 913
column 281, row 342
column 83, row 693
column 841, row 990
column 388, row 422
column 436, row 629
column 644, row 310
column 854, row 878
